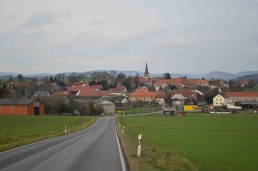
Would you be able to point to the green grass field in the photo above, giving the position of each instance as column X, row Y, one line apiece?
column 202, row 141
column 20, row 130
column 129, row 111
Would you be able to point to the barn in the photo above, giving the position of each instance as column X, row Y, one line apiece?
column 21, row 107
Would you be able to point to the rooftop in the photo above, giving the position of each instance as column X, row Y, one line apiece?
column 15, row 101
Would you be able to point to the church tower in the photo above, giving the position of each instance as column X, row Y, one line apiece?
column 146, row 74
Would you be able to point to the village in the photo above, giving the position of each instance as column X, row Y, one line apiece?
column 104, row 94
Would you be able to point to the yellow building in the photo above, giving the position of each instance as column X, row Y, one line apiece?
column 219, row 100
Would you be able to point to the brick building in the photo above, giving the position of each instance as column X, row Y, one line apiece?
column 21, row 107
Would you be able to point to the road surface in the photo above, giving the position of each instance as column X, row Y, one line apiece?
column 92, row 149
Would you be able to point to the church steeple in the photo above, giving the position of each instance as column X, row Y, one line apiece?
column 146, row 74
column 146, row 69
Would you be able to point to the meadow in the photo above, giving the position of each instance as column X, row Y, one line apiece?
column 195, row 142
column 16, row 131
column 128, row 111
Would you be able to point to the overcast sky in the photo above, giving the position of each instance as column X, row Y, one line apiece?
column 176, row 36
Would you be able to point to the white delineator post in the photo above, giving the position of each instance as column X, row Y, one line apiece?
column 84, row 125
column 139, row 149
column 123, row 129
column 65, row 129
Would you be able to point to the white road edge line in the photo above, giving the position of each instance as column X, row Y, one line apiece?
column 122, row 161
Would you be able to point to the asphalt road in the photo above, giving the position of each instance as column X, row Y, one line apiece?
column 92, row 149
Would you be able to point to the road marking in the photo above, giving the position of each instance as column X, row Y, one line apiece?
column 120, row 154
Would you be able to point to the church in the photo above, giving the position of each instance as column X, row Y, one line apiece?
column 146, row 80
column 146, row 75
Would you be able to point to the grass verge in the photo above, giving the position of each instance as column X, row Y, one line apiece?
column 153, row 158
column 194, row 142
column 17, row 131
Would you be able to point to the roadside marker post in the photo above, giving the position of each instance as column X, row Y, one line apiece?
column 84, row 125
column 139, row 149
column 65, row 129
column 123, row 129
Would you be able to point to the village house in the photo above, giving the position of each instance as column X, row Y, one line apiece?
column 96, row 87
column 193, row 83
column 181, row 83
column 242, row 83
column 188, row 94
column 247, row 100
column 142, row 94
column 176, row 82
column 219, row 100
column 233, row 97
column 80, row 84
column 188, row 98
column 118, row 91
column 21, row 107
column 82, row 91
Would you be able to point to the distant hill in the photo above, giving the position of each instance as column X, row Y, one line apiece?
column 8, row 73
column 240, row 74
column 248, row 77
column 220, row 75
column 214, row 74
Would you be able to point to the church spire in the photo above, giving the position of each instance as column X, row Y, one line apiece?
column 146, row 69
column 146, row 75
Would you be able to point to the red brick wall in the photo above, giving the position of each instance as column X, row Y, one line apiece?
column 30, row 109
column 13, row 109
column 41, row 108
column 20, row 109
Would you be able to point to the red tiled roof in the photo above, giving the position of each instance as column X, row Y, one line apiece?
column 96, row 87
column 84, row 91
column 241, row 94
column 118, row 89
column 181, row 81
column 173, row 81
column 195, row 81
column 79, row 84
column 104, row 93
column 185, row 93
column 76, row 88
column 143, row 92
column 88, row 91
